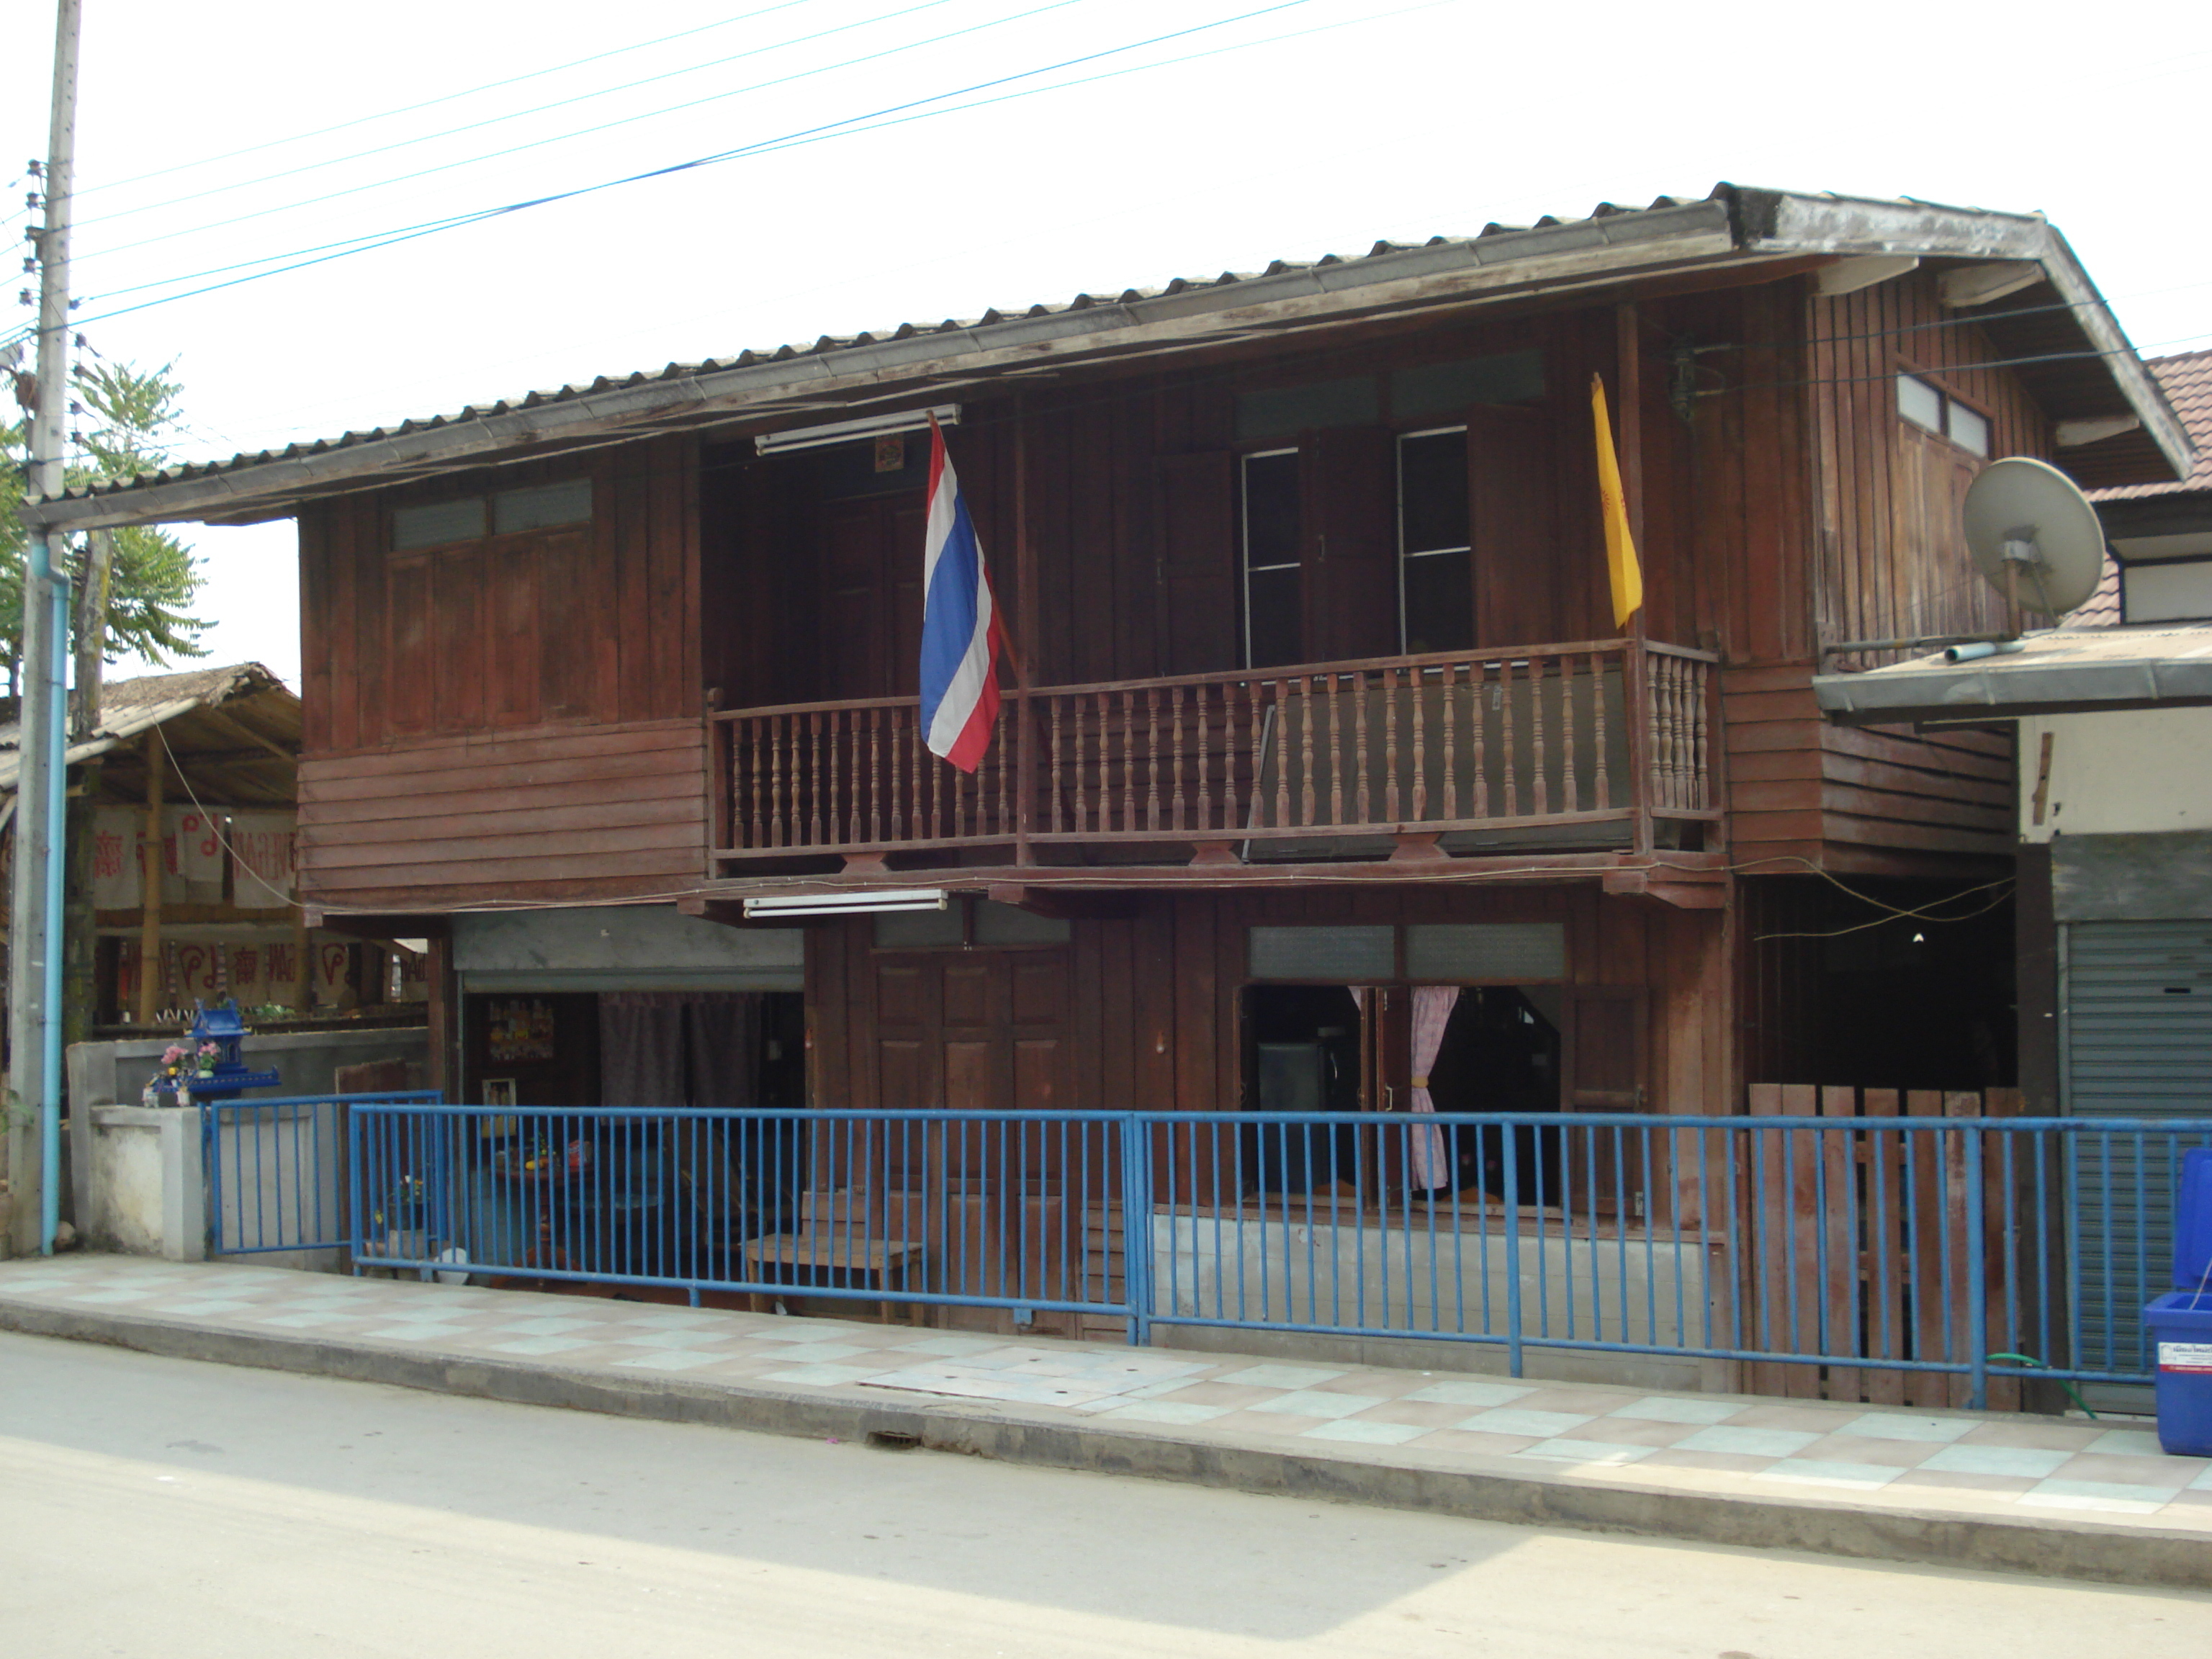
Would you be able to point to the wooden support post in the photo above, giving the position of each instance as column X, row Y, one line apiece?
column 151, row 979
column 1025, row 602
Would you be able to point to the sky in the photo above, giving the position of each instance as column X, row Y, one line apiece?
column 250, row 172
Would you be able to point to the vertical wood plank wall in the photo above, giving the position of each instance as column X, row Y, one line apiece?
column 1155, row 1016
column 517, row 717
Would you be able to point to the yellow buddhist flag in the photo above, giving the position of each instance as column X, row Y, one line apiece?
column 1619, row 545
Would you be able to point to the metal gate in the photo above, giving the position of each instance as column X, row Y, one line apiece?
column 2137, row 1043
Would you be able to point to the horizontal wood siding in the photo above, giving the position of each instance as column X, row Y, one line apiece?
column 1883, row 799
column 557, row 812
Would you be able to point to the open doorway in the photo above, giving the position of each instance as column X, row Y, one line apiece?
column 1334, row 1049
column 1500, row 1053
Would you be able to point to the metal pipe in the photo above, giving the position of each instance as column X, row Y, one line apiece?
column 1985, row 648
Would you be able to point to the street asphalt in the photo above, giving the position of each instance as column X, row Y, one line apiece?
column 164, row 1507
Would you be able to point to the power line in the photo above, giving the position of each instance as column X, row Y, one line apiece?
column 539, row 109
column 432, row 103
column 892, row 115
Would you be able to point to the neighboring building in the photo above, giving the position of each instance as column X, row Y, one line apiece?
column 1307, row 569
column 2114, row 720
column 211, row 755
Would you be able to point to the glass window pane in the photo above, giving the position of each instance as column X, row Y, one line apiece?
column 1008, row 924
column 1432, row 491
column 548, row 504
column 1274, row 631
column 1440, row 602
column 1271, row 509
column 1968, row 429
column 1273, row 414
column 1511, row 377
column 1503, row 952
column 442, row 522
column 921, row 930
column 1335, row 956
column 1920, row 402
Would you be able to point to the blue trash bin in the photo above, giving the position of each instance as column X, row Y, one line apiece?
column 2180, row 1321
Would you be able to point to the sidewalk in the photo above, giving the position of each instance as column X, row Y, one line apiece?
column 2055, row 1497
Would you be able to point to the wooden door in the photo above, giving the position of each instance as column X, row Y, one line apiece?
column 1352, row 544
column 1603, row 1069
column 980, row 1031
column 871, row 618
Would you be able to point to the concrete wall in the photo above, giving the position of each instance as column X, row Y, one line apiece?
column 2117, row 774
column 138, row 1174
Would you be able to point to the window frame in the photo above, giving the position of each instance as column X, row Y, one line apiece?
column 1398, row 456
column 1947, row 401
column 1245, row 567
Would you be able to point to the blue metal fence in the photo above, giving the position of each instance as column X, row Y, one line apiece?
column 1927, row 1257
column 274, row 1172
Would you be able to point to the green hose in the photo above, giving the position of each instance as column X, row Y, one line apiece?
column 2073, row 1393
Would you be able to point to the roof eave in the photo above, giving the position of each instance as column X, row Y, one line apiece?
column 1555, row 259
column 1781, row 223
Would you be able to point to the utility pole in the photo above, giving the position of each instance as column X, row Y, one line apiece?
column 34, row 1081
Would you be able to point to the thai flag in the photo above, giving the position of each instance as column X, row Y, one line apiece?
column 961, row 637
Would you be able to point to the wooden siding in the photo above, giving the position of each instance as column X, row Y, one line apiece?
column 1892, row 560
column 594, row 624
column 1878, row 800
column 557, row 812
column 1154, row 1017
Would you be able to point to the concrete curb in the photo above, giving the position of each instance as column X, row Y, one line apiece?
column 2081, row 1549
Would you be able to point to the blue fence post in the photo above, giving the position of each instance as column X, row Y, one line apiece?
column 1137, row 1227
column 1978, row 1301
column 355, row 1234
column 211, row 1175
column 1511, row 1208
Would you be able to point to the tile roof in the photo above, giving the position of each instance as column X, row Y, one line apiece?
column 2186, row 379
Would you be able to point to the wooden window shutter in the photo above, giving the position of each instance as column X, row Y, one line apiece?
column 1352, row 544
column 1602, row 1049
column 1197, row 562
column 1512, row 500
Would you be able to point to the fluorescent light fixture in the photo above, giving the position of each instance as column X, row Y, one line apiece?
column 845, row 432
column 847, row 904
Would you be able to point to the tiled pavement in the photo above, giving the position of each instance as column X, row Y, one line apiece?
column 1953, row 1464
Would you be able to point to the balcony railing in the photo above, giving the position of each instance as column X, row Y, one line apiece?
column 1560, row 746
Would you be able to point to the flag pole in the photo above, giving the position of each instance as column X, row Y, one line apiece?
column 1025, row 601
column 1627, row 326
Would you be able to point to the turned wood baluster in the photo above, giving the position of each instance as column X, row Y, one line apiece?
column 1175, row 758
column 1305, row 748
column 1699, row 680
column 1479, row 726
column 1052, row 713
column 1336, row 749
column 1202, row 719
column 1663, row 704
column 1447, row 716
column 1152, row 757
column 1420, row 744
column 1541, row 791
column 1359, row 703
column 1654, row 740
column 756, row 825
column 1602, row 786
column 1390, row 746
column 774, row 724
column 1279, row 692
column 1509, row 750
column 1570, row 784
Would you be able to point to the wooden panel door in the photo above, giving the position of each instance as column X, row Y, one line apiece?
column 1197, row 574
column 870, row 621
column 1352, row 551
column 1513, row 527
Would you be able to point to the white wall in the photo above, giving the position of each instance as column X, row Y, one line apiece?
column 2118, row 773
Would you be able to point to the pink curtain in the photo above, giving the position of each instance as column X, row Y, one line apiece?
column 1430, row 1168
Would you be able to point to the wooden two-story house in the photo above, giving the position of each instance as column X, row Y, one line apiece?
column 1322, row 687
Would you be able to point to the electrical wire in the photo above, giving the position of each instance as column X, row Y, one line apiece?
column 541, row 109
column 892, row 115
column 264, row 146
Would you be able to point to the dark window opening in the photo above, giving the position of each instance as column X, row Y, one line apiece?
column 1305, row 1055
column 1436, row 561
column 1272, row 538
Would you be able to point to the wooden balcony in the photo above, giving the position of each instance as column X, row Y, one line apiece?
column 1557, row 748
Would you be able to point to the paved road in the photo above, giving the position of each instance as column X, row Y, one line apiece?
column 171, row 1510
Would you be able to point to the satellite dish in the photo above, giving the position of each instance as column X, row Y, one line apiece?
column 2033, row 535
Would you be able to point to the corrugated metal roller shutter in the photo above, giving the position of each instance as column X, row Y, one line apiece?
column 2138, row 1044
